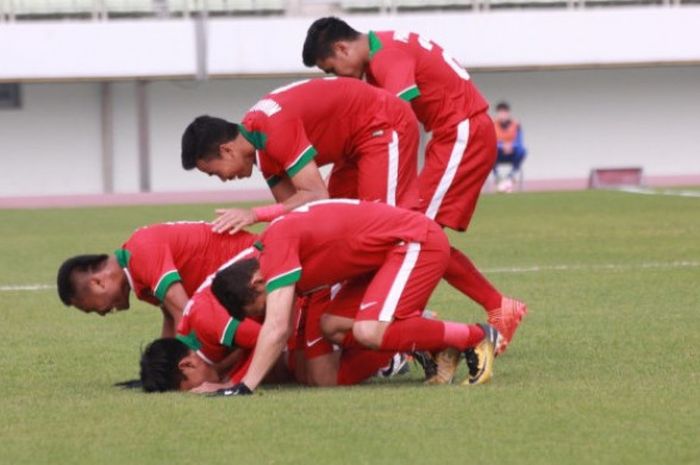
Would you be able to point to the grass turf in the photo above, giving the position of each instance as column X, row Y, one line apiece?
column 604, row 370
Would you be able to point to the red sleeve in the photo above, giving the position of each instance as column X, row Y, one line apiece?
column 151, row 268
column 394, row 70
column 206, row 326
column 288, row 148
column 279, row 260
column 247, row 334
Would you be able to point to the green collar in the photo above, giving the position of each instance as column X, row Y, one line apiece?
column 258, row 139
column 123, row 257
column 375, row 44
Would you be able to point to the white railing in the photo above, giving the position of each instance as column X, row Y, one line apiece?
column 17, row 10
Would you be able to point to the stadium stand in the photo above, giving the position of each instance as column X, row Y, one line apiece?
column 104, row 9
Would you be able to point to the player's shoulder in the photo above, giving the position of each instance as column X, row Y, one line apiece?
column 392, row 39
column 148, row 232
column 203, row 303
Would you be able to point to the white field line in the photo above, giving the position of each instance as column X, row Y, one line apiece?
column 667, row 192
column 523, row 269
column 601, row 267
column 26, row 287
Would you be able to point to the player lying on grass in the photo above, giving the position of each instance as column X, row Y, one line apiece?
column 162, row 264
column 304, row 125
column 206, row 336
column 334, row 241
column 209, row 332
column 461, row 151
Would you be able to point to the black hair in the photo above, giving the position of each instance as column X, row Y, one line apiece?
column 321, row 36
column 503, row 106
column 231, row 286
column 159, row 365
column 79, row 263
column 202, row 138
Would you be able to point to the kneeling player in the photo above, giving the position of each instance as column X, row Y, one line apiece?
column 333, row 241
column 209, row 333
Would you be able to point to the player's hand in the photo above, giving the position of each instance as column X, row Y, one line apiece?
column 239, row 389
column 232, row 220
column 209, row 388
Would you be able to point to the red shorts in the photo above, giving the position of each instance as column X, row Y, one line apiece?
column 383, row 166
column 458, row 161
column 403, row 285
column 311, row 338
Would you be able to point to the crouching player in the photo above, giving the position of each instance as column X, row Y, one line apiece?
column 297, row 128
column 163, row 264
column 333, row 241
column 461, row 151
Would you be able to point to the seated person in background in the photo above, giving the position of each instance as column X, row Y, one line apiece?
column 511, row 150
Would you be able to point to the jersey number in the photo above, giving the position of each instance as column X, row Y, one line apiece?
column 428, row 45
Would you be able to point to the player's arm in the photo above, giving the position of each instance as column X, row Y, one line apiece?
column 283, row 189
column 308, row 186
column 305, row 186
column 234, row 219
column 273, row 335
column 172, row 306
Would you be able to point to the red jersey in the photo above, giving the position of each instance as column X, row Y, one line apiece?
column 156, row 256
column 421, row 72
column 324, row 120
column 329, row 241
column 207, row 328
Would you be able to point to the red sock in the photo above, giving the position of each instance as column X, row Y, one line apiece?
column 358, row 365
column 463, row 275
column 462, row 336
column 414, row 334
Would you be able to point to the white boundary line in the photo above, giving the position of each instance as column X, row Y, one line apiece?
column 666, row 192
column 600, row 267
column 523, row 269
column 26, row 287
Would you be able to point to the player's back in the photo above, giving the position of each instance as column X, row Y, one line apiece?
column 341, row 238
column 337, row 113
column 195, row 250
column 446, row 93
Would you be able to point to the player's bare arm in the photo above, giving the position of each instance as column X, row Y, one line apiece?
column 175, row 300
column 306, row 186
column 273, row 335
column 283, row 190
column 309, row 186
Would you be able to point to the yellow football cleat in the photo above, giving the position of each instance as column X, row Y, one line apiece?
column 447, row 364
column 480, row 359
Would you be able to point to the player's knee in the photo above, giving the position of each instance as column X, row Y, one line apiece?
column 368, row 333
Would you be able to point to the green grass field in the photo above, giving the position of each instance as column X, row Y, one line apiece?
column 604, row 370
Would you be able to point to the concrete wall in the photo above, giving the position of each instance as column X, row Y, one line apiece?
column 245, row 46
column 574, row 120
